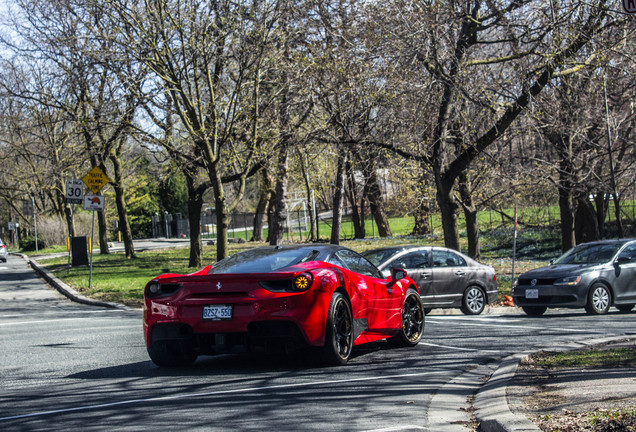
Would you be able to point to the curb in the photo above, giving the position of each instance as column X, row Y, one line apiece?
column 491, row 400
column 66, row 290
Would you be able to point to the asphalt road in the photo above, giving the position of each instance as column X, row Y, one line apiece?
column 67, row 366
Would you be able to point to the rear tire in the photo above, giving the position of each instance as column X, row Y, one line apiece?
column 599, row 299
column 339, row 331
column 412, row 321
column 474, row 301
column 534, row 310
column 172, row 354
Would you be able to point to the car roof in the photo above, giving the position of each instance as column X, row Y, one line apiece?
column 608, row 241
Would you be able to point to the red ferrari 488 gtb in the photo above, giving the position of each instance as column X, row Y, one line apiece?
column 322, row 296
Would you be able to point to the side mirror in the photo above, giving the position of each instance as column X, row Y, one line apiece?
column 623, row 260
column 398, row 273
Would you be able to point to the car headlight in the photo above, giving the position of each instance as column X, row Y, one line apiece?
column 568, row 281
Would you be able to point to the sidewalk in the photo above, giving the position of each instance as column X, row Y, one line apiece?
column 554, row 398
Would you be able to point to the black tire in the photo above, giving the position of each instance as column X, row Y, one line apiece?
column 599, row 299
column 339, row 332
column 474, row 301
column 534, row 310
column 171, row 354
column 625, row 308
column 412, row 321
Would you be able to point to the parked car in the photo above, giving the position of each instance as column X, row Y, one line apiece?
column 593, row 275
column 446, row 278
column 281, row 297
column 3, row 251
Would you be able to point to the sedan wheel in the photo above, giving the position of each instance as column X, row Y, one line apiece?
column 412, row 321
column 599, row 300
column 339, row 331
column 474, row 301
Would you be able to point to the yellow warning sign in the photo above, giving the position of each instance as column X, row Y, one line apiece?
column 95, row 180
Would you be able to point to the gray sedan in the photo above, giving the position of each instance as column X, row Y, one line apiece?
column 445, row 277
column 593, row 275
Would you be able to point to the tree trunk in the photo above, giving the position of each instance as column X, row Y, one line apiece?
column 617, row 213
column 310, row 196
column 277, row 229
column 448, row 208
column 586, row 225
column 470, row 214
column 357, row 212
column 566, row 208
column 336, row 225
column 376, row 203
column 195, row 204
column 266, row 195
column 103, row 233
column 120, row 202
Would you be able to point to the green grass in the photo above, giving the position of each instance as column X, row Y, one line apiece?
column 617, row 357
column 118, row 279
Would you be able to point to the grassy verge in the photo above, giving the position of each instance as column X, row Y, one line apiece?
column 117, row 279
column 616, row 357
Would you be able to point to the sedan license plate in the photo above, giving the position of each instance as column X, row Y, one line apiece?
column 532, row 293
column 217, row 312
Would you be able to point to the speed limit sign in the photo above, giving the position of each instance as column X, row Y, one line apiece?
column 74, row 191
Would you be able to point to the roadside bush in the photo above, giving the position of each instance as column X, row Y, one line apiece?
column 54, row 231
column 28, row 243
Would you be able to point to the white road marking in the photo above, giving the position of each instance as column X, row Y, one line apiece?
column 521, row 326
column 213, row 393
column 461, row 348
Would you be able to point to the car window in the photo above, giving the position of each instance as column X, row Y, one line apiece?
column 412, row 260
column 357, row 263
column 379, row 256
column 444, row 258
column 629, row 252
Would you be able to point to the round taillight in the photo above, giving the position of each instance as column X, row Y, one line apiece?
column 303, row 281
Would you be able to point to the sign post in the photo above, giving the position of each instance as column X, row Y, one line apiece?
column 95, row 180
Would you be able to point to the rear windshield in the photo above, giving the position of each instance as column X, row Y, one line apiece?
column 262, row 260
column 589, row 254
column 379, row 256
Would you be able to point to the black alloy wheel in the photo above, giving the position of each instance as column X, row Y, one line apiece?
column 339, row 332
column 412, row 321
column 172, row 354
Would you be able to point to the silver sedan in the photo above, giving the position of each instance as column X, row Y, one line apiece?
column 445, row 277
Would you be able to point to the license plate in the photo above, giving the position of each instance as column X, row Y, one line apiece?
column 217, row 312
column 532, row 293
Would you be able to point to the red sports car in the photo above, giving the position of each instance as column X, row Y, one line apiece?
column 323, row 296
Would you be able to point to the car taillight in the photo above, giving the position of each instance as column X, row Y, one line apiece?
column 303, row 281
column 161, row 290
